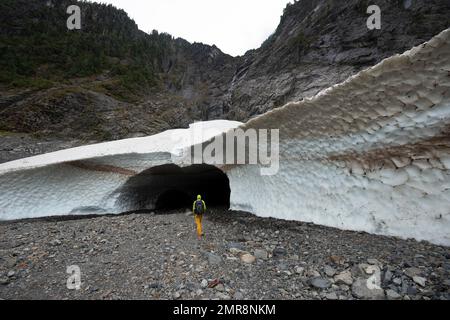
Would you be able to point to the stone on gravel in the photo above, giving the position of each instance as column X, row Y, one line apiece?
column 311, row 273
column 223, row 296
column 261, row 254
column 374, row 262
column 177, row 295
column 320, row 283
column 248, row 258
column 204, row 283
column 55, row 242
column 236, row 245
column 11, row 274
column 412, row 272
column 420, row 281
column 331, row 296
column 344, row 277
column 329, row 271
column 220, row 287
column 392, row 295
column 238, row 296
column 299, row 270
column 387, row 278
column 372, row 269
column 213, row 258
column 411, row 290
column 278, row 252
column 235, row 251
column 198, row 292
column 361, row 291
column 337, row 260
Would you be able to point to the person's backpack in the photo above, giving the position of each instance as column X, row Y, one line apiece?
column 199, row 209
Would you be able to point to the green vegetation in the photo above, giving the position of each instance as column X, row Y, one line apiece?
column 4, row 133
column 37, row 50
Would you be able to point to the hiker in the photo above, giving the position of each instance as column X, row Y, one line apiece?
column 199, row 209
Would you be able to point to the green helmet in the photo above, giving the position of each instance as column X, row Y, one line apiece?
column 199, row 197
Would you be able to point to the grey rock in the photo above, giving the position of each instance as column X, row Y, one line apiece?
column 359, row 270
column 420, row 281
column 261, row 254
column 329, row 271
column 204, row 283
column 411, row 291
column 311, row 273
column 392, row 295
column 238, row 296
column 155, row 285
column 213, row 258
column 223, row 296
column 374, row 262
column 344, row 287
column 331, row 296
column 361, row 290
column 299, row 270
column 344, row 277
column 11, row 274
column 220, row 287
column 387, row 278
column 279, row 252
column 372, row 269
column 55, row 242
column 320, row 283
column 413, row 272
column 199, row 292
column 236, row 245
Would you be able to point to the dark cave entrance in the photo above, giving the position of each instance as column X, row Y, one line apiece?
column 173, row 199
column 169, row 187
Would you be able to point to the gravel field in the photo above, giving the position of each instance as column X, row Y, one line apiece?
column 148, row 256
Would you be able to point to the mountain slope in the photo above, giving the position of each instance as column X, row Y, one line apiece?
column 61, row 88
column 320, row 43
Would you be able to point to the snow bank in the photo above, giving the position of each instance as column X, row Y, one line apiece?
column 88, row 179
column 371, row 154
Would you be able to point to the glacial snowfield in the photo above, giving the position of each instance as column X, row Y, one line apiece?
column 371, row 154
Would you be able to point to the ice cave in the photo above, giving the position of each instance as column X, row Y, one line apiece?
column 169, row 187
column 371, row 154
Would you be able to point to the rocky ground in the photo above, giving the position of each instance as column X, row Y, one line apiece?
column 147, row 256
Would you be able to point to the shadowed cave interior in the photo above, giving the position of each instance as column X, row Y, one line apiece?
column 170, row 187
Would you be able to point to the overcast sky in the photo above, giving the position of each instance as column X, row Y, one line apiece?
column 234, row 26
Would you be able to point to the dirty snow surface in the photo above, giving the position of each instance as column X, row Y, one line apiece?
column 158, row 257
column 371, row 154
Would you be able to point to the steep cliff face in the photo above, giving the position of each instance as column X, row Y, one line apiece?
column 112, row 81
column 320, row 43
